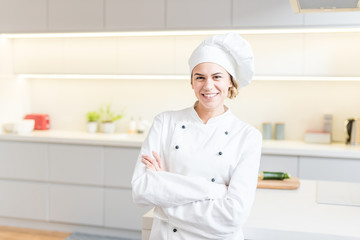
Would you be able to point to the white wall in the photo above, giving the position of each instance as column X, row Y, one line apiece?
column 300, row 105
column 14, row 99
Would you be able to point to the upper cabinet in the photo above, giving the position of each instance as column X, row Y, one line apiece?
column 199, row 14
column 263, row 14
column 148, row 15
column 134, row 14
column 23, row 16
column 76, row 15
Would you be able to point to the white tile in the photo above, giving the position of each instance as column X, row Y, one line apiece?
column 146, row 55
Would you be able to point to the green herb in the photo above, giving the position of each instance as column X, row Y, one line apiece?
column 93, row 116
column 107, row 115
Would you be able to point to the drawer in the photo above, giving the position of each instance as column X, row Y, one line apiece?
column 119, row 166
column 76, row 164
column 20, row 160
column 76, row 204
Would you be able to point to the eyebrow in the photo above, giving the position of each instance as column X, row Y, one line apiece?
column 211, row 74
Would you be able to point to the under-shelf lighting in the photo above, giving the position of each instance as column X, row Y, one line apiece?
column 180, row 33
column 179, row 77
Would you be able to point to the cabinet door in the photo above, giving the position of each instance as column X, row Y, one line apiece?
column 134, row 14
column 119, row 166
column 23, row 200
column 332, row 19
column 275, row 163
column 23, row 15
column 76, row 204
column 264, row 13
column 121, row 212
column 76, row 164
column 20, row 160
column 331, row 169
column 188, row 14
column 76, row 15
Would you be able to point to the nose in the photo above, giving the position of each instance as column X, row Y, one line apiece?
column 209, row 84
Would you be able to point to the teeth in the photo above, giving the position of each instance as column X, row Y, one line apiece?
column 210, row 95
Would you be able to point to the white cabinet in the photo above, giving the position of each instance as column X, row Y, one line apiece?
column 332, row 19
column 26, row 161
column 76, row 164
column 76, row 204
column 119, row 166
column 277, row 163
column 23, row 200
column 188, row 14
column 76, row 15
column 331, row 169
column 134, row 14
column 23, row 15
column 263, row 13
column 121, row 212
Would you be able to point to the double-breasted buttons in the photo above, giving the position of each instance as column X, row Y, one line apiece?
column 183, row 126
column 220, row 153
column 226, row 132
column 213, row 179
column 174, row 230
column 177, row 147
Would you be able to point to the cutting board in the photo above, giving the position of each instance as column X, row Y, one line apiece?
column 290, row 183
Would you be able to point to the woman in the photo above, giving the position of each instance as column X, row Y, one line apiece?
column 199, row 166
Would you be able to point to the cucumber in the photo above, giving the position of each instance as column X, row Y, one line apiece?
column 273, row 175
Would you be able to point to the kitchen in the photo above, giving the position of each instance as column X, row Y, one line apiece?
column 300, row 75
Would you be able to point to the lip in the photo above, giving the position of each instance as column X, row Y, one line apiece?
column 209, row 95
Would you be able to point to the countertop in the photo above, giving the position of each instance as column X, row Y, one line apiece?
column 275, row 147
column 294, row 214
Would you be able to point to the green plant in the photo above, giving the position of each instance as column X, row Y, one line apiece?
column 93, row 116
column 106, row 114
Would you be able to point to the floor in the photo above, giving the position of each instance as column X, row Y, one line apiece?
column 12, row 233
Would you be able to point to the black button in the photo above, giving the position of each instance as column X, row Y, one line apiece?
column 174, row 230
column 183, row 126
column 220, row 153
column 213, row 179
column 226, row 132
column 177, row 147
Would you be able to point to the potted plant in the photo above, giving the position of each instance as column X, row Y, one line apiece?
column 92, row 124
column 108, row 119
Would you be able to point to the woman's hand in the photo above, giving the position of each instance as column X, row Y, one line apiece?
column 153, row 164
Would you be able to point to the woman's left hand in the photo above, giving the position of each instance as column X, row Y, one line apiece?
column 153, row 164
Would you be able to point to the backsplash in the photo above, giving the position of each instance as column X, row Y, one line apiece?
column 299, row 104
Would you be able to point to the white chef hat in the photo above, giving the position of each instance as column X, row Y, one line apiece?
column 230, row 51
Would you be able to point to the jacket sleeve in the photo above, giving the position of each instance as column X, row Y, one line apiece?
column 166, row 189
column 219, row 218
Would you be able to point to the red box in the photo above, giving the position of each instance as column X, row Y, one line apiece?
column 42, row 121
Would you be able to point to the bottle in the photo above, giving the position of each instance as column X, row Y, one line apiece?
column 132, row 126
column 327, row 123
column 140, row 126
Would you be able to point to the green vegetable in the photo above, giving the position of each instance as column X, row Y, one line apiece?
column 273, row 175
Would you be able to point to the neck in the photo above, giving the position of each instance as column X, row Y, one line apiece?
column 205, row 113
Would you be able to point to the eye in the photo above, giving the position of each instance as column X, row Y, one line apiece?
column 217, row 77
column 199, row 78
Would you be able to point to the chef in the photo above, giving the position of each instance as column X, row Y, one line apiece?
column 198, row 166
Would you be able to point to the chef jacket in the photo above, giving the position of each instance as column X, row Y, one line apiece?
column 190, row 197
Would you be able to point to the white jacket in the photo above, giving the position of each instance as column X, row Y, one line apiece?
column 190, row 198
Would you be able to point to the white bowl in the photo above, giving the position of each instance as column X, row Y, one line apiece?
column 23, row 126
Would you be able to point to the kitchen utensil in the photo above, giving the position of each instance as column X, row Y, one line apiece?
column 23, row 126
column 352, row 131
column 290, row 183
column 42, row 121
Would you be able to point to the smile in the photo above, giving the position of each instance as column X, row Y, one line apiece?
column 209, row 95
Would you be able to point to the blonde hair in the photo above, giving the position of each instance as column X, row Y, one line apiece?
column 233, row 91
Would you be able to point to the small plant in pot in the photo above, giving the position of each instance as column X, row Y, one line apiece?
column 108, row 119
column 92, row 124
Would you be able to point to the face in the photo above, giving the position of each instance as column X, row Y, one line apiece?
column 211, row 83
